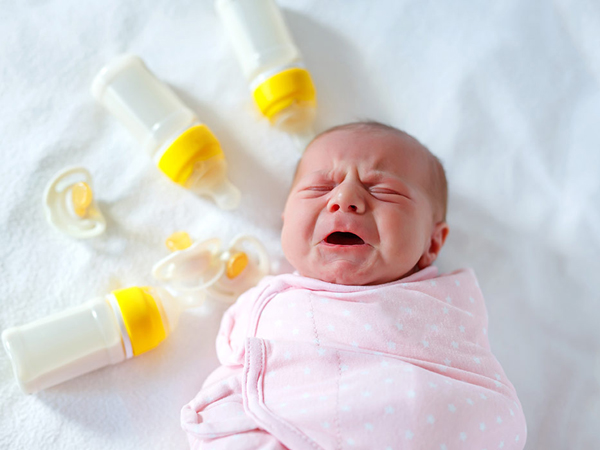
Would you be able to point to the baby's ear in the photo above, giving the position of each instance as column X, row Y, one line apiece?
column 436, row 242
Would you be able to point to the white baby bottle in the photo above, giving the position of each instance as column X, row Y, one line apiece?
column 206, row 269
column 103, row 331
column 281, row 86
column 183, row 148
column 69, row 204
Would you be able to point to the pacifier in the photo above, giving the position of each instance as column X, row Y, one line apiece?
column 201, row 269
column 69, row 204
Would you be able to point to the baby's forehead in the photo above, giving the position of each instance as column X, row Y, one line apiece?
column 375, row 149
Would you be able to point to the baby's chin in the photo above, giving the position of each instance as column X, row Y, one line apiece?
column 348, row 276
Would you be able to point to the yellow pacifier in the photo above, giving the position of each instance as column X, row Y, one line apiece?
column 69, row 204
column 204, row 269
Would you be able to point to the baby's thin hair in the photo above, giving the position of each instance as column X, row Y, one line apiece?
column 439, row 184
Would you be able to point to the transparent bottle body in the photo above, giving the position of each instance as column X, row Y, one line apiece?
column 259, row 36
column 65, row 345
column 145, row 105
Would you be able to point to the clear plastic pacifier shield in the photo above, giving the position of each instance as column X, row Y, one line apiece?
column 69, row 204
column 206, row 269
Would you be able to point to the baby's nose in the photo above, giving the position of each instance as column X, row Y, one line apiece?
column 346, row 198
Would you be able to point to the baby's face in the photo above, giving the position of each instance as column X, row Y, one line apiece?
column 358, row 212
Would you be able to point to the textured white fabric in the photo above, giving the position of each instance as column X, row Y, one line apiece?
column 505, row 93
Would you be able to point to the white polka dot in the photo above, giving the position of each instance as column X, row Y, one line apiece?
column 433, row 283
column 484, row 331
column 433, row 385
column 449, row 299
column 482, row 426
column 389, row 410
column 470, row 402
column 469, row 313
column 517, row 438
column 483, row 397
column 306, row 371
column 350, row 441
column 497, row 383
column 305, row 395
column 446, row 310
column 471, row 299
column 344, row 386
column 477, row 360
column 389, row 380
column 321, row 351
column 324, row 300
column 501, row 445
column 346, row 312
column 451, row 408
column 272, row 373
column 430, row 419
column 447, row 362
column 354, row 344
column 425, row 344
column 323, row 398
column 309, row 314
column 411, row 394
column 408, row 368
column 433, row 327
column 287, row 355
column 366, row 394
column 498, row 377
column 463, row 436
column 391, row 345
column 384, row 363
column 409, row 434
column 302, row 411
column 443, row 447
column 295, row 331
column 457, row 282
column 331, row 327
column 279, row 323
column 511, row 412
column 399, row 326
column 462, row 329
column 408, row 310
column 367, row 326
column 346, row 408
column 325, row 424
column 344, row 367
column 454, row 344
column 369, row 426
column 499, row 419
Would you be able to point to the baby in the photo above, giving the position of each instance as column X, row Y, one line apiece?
column 365, row 345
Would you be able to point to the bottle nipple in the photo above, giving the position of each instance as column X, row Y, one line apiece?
column 179, row 240
column 225, row 194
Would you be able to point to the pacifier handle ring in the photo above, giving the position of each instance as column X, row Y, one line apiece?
column 263, row 256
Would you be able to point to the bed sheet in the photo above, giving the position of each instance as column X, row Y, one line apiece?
column 505, row 93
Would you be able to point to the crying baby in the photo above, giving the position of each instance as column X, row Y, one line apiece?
column 365, row 345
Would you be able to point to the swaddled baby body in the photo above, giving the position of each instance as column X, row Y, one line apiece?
column 365, row 345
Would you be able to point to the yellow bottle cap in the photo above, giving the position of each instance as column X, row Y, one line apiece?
column 283, row 90
column 179, row 240
column 193, row 145
column 81, row 196
column 141, row 317
column 236, row 264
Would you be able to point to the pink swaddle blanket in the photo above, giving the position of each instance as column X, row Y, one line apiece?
column 402, row 365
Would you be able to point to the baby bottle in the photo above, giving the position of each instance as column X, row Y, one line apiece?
column 102, row 331
column 281, row 86
column 183, row 148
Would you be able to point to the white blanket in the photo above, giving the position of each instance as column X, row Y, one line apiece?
column 505, row 93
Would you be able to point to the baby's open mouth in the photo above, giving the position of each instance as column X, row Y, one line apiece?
column 343, row 238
